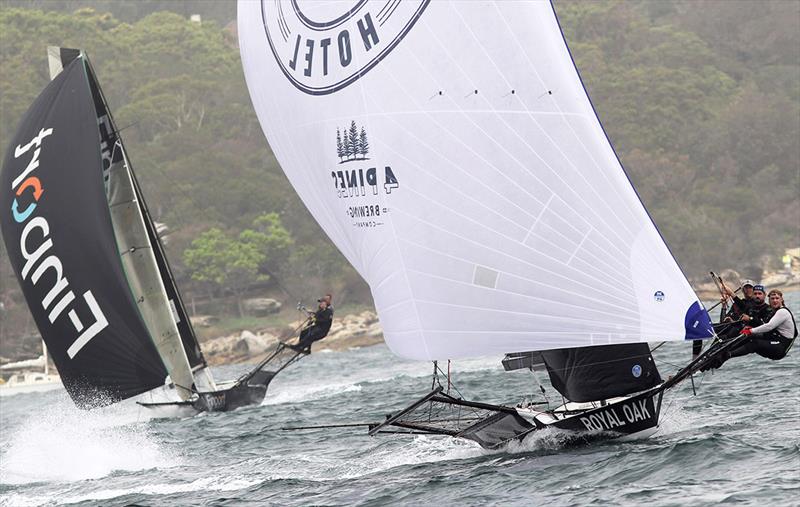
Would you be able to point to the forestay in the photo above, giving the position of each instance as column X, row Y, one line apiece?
column 451, row 153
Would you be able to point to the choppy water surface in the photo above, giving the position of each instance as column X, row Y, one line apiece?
column 737, row 441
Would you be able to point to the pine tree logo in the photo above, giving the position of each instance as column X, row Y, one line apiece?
column 351, row 143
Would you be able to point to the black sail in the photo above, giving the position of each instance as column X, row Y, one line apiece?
column 58, row 234
column 601, row 372
column 109, row 139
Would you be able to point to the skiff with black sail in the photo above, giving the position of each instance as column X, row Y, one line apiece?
column 90, row 263
column 451, row 152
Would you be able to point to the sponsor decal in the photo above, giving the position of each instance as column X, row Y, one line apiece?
column 36, row 245
column 636, row 370
column 323, row 47
column 617, row 416
column 359, row 182
column 659, row 296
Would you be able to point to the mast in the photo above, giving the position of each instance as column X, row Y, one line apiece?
column 46, row 362
column 140, row 248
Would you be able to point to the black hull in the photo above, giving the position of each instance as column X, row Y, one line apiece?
column 247, row 393
column 627, row 417
column 635, row 415
column 249, row 389
column 493, row 426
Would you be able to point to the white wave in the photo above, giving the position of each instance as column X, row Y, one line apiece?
column 548, row 439
column 63, row 443
column 296, row 394
column 203, row 484
column 321, row 468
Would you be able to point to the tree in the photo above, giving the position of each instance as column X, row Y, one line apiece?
column 228, row 263
column 363, row 144
column 272, row 240
column 339, row 145
column 352, row 135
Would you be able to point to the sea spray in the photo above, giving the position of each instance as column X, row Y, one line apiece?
column 59, row 442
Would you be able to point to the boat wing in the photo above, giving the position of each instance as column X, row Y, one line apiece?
column 438, row 413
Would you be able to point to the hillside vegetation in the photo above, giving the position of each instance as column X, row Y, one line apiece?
column 701, row 100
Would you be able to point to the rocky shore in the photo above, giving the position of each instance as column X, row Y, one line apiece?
column 363, row 329
column 357, row 330
column 785, row 282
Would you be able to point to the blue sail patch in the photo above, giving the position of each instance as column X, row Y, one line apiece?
column 698, row 323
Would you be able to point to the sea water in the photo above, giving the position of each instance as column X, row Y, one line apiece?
column 736, row 441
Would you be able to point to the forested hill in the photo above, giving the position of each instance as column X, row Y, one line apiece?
column 701, row 100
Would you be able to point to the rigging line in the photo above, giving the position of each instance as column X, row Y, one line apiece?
column 589, row 225
column 505, row 254
column 312, row 195
column 541, row 238
column 674, row 400
column 393, row 112
column 501, row 146
column 541, row 81
column 626, row 308
column 598, row 363
column 657, row 347
column 609, row 244
column 528, row 230
column 634, row 326
column 620, row 274
column 390, row 221
column 205, row 213
column 454, row 386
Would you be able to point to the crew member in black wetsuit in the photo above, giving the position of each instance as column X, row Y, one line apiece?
column 322, row 320
column 771, row 340
column 748, row 311
column 740, row 306
column 759, row 311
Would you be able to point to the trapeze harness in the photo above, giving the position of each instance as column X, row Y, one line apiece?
column 772, row 345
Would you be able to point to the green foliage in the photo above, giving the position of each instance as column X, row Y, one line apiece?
column 701, row 100
column 704, row 118
column 214, row 257
column 271, row 238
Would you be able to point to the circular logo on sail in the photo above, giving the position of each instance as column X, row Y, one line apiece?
column 636, row 371
column 659, row 296
column 322, row 47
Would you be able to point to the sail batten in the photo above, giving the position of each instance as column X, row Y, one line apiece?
column 465, row 175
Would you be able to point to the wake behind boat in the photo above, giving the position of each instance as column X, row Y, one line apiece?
column 91, row 264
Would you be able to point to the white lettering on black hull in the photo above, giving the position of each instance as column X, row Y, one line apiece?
column 609, row 419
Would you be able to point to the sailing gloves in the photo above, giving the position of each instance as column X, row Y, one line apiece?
column 747, row 331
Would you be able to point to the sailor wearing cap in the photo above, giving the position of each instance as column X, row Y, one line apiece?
column 771, row 340
column 740, row 306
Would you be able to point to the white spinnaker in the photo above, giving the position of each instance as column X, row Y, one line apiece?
column 512, row 225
